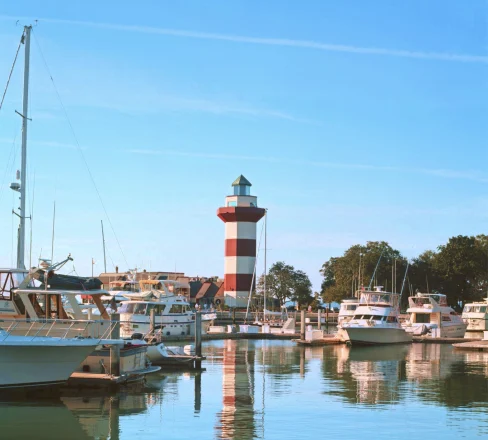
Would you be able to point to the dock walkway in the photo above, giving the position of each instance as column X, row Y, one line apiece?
column 473, row 345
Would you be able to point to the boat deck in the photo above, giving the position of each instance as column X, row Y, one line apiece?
column 101, row 380
column 331, row 340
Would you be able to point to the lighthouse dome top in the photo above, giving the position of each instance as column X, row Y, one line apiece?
column 241, row 181
column 242, row 186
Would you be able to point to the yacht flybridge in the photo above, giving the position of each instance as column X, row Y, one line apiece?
column 430, row 314
column 375, row 320
column 41, row 294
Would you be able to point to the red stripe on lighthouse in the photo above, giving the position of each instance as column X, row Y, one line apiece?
column 240, row 247
column 241, row 214
column 237, row 281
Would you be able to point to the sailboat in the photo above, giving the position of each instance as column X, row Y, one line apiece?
column 36, row 323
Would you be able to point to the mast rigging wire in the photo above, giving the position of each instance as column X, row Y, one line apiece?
column 79, row 148
column 12, row 69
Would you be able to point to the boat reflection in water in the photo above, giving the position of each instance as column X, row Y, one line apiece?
column 275, row 389
column 99, row 416
column 48, row 419
column 369, row 375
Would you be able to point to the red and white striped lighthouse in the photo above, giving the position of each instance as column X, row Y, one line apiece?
column 240, row 215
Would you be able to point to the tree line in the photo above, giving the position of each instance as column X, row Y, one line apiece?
column 459, row 269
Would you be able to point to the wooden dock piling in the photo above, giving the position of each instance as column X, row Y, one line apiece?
column 198, row 340
column 302, row 325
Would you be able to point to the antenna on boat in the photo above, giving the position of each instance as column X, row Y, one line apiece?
column 375, row 269
column 403, row 283
column 54, row 224
column 104, row 255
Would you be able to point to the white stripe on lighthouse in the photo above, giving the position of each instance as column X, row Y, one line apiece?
column 240, row 230
column 234, row 265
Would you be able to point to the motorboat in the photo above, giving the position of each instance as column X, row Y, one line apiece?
column 346, row 313
column 429, row 314
column 475, row 316
column 173, row 315
column 375, row 320
column 170, row 357
column 40, row 361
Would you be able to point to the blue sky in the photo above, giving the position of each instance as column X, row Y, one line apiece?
column 354, row 120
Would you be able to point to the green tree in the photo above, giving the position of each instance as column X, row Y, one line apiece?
column 302, row 289
column 343, row 276
column 461, row 265
column 285, row 283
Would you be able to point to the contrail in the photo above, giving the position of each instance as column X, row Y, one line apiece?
column 471, row 175
column 306, row 44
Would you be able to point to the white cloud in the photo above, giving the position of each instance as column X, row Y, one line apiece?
column 285, row 42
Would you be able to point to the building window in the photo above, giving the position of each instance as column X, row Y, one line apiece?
column 232, row 203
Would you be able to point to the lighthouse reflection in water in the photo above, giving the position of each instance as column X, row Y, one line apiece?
column 275, row 390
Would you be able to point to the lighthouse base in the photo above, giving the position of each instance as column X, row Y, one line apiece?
column 236, row 299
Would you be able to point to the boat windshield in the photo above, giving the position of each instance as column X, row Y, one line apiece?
column 134, row 308
column 473, row 308
column 421, row 300
column 349, row 307
column 129, row 287
column 379, row 298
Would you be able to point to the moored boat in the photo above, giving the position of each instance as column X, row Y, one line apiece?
column 429, row 314
column 375, row 320
column 346, row 313
column 173, row 315
column 475, row 316
column 39, row 361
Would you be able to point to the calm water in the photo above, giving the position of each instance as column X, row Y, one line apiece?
column 275, row 390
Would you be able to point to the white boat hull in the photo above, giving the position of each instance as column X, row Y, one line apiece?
column 39, row 366
column 376, row 336
column 446, row 331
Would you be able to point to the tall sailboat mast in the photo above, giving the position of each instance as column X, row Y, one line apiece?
column 24, row 115
column 265, row 265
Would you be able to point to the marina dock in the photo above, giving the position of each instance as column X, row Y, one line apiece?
column 472, row 345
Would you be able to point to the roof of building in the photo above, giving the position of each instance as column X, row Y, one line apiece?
column 209, row 289
column 221, row 291
column 241, row 180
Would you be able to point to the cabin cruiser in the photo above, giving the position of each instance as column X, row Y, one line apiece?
column 430, row 314
column 375, row 320
column 32, row 299
column 346, row 313
column 173, row 315
column 32, row 361
column 475, row 316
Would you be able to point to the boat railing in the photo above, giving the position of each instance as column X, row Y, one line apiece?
column 59, row 328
